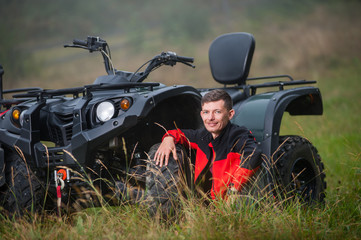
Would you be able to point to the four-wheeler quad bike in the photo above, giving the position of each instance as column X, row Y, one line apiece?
column 100, row 135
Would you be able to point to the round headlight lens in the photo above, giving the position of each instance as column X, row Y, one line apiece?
column 105, row 111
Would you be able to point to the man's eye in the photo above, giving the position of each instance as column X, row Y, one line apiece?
column 205, row 112
column 218, row 112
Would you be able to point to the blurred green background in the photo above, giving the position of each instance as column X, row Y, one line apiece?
column 302, row 38
column 309, row 39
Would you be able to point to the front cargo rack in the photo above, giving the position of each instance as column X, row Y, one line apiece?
column 85, row 91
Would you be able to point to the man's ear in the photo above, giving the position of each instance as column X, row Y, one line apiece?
column 201, row 113
column 231, row 113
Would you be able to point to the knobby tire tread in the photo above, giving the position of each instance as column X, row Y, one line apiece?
column 162, row 193
column 292, row 149
column 23, row 192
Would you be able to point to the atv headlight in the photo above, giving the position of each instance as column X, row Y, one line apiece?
column 15, row 116
column 105, row 111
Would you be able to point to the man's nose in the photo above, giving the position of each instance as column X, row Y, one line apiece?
column 211, row 116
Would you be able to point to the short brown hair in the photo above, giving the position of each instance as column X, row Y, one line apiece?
column 216, row 95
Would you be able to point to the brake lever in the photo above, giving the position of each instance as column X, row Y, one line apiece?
column 188, row 64
column 75, row 46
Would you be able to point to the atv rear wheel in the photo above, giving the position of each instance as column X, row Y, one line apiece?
column 299, row 170
column 22, row 192
column 162, row 185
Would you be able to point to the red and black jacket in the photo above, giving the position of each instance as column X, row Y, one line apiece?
column 229, row 160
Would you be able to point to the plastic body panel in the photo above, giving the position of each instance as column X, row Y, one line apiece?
column 85, row 138
column 263, row 113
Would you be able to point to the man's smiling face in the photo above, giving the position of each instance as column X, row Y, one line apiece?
column 216, row 116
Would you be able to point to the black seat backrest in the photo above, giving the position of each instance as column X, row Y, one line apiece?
column 230, row 57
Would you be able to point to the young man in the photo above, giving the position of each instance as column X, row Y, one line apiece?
column 227, row 155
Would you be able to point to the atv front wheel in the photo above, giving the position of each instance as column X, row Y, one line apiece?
column 162, row 185
column 22, row 192
column 299, row 170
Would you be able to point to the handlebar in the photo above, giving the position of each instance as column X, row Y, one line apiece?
column 186, row 59
column 80, row 42
column 96, row 44
column 172, row 56
column 165, row 58
column 91, row 43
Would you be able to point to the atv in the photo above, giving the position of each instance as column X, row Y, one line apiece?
column 56, row 144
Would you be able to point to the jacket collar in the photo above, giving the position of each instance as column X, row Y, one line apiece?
column 207, row 136
column 220, row 137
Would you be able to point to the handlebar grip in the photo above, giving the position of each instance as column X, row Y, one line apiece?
column 185, row 59
column 80, row 42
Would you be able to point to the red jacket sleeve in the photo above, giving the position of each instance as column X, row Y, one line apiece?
column 178, row 136
column 185, row 137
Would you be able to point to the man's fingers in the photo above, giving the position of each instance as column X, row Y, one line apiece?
column 174, row 151
column 156, row 159
column 166, row 160
column 161, row 157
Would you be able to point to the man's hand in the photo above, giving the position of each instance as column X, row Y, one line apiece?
column 165, row 149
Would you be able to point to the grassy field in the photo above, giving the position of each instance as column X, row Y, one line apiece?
column 323, row 46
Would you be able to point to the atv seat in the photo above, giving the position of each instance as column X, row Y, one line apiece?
column 230, row 57
column 236, row 94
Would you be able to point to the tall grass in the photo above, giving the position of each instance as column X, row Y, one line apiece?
column 268, row 219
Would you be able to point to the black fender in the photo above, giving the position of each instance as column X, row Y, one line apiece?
column 179, row 105
column 138, row 124
column 263, row 113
